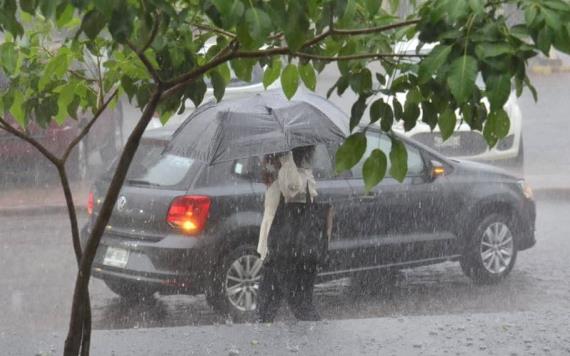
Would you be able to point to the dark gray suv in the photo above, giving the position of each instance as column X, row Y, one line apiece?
column 181, row 226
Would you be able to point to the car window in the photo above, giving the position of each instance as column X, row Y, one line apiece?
column 375, row 140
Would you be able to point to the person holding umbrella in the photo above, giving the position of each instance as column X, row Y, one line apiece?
column 283, row 275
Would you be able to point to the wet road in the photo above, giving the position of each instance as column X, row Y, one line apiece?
column 37, row 270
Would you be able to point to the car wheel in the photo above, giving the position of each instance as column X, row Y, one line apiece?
column 235, row 286
column 492, row 251
column 131, row 292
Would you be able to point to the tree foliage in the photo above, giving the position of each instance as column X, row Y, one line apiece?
column 65, row 58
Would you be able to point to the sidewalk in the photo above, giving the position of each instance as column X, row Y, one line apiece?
column 31, row 200
column 518, row 333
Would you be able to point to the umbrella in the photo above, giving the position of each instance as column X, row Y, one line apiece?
column 260, row 124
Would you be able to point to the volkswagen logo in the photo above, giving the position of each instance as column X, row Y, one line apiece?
column 121, row 203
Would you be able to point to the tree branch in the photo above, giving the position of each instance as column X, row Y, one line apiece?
column 44, row 151
column 153, row 33
column 87, row 127
column 140, row 52
column 369, row 30
column 146, row 62
column 183, row 80
column 214, row 29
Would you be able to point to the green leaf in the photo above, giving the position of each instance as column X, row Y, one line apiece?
column 17, row 109
column 350, row 152
column 65, row 16
column 57, row 66
column 446, row 122
column 477, row 6
column 357, row 111
column 496, row 127
column 531, row 88
column 219, row 84
column 498, row 90
column 361, row 82
column 297, row 25
column 195, row 91
column 290, row 80
column 489, row 50
column 398, row 111
column 308, row 76
column 530, row 14
column 411, row 114
column 258, row 23
column 64, row 99
column 374, row 169
column 431, row 63
column 272, row 72
column 29, row 6
column 47, row 7
column 93, row 22
column 9, row 57
column 552, row 20
column 243, row 69
column 461, row 78
column 121, row 25
column 544, row 41
column 429, row 114
column 380, row 110
column 398, row 160
column 372, row 6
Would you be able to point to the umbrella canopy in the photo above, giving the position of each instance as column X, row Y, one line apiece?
column 257, row 125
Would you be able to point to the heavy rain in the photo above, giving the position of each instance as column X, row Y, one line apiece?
column 466, row 255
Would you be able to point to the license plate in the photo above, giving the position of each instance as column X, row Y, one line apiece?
column 116, row 257
column 453, row 141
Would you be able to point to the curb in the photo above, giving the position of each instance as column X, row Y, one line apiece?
column 41, row 210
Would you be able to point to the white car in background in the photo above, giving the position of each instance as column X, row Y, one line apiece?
column 465, row 143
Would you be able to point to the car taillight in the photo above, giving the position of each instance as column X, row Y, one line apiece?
column 90, row 203
column 189, row 213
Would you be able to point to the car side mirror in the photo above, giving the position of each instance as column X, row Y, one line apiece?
column 437, row 169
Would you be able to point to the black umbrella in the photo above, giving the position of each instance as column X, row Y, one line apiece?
column 257, row 125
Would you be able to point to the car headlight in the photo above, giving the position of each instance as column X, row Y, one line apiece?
column 526, row 190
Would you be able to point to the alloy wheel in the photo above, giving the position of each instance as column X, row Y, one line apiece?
column 242, row 282
column 497, row 247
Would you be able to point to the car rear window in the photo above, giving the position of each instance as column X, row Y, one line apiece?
column 153, row 167
column 166, row 170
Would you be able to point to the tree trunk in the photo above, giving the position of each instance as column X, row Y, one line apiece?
column 74, row 336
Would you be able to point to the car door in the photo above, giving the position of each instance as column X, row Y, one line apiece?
column 331, row 188
column 397, row 220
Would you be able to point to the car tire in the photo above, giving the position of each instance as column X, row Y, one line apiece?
column 234, row 288
column 131, row 292
column 492, row 251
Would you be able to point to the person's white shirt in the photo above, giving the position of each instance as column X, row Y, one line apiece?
column 292, row 182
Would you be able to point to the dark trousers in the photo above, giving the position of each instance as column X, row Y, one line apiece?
column 293, row 280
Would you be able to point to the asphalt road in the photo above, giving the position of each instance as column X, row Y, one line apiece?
column 37, row 270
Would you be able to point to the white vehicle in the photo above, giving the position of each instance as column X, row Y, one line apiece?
column 466, row 143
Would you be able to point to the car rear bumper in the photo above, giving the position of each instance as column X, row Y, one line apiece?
column 165, row 270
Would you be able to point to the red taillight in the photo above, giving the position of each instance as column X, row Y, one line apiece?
column 90, row 203
column 189, row 213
